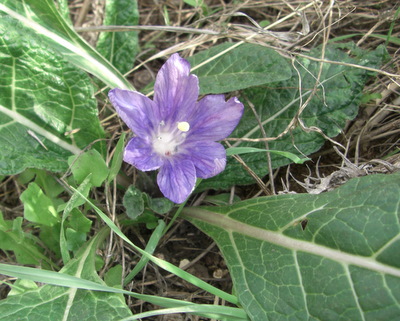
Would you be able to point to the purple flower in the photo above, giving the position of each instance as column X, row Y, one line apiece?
column 174, row 132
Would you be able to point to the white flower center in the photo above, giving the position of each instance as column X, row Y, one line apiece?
column 168, row 140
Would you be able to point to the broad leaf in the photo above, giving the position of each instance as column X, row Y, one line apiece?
column 38, row 207
column 26, row 251
column 336, row 100
column 62, row 303
column 133, row 202
column 47, row 109
column 120, row 48
column 44, row 18
column 89, row 163
column 246, row 66
column 332, row 256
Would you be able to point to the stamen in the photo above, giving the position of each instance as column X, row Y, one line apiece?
column 183, row 126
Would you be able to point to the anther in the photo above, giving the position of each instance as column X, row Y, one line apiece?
column 183, row 126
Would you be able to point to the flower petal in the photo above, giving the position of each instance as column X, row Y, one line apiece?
column 175, row 90
column 136, row 110
column 215, row 118
column 208, row 157
column 177, row 179
column 140, row 154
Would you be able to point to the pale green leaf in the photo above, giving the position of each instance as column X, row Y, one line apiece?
column 159, row 205
column 161, row 263
column 113, row 276
column 38, row 207
column 66, row 280
column 70, row 206
column 43, row 99
column 336, row 101
column 133, row 202
column 117, row 158
column 332, row 256
column 245, row 66
column 44, row 18
column 21, row 286
column 26, row 250
column 150, row 248
column 89, row 163
column 63, row 303
column 120, row 48
column 245, row 150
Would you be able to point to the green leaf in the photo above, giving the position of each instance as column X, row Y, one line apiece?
column 84, row 304
column 43, row 98
column 70, row 208
column 245, row 66
column 50, row 186
column 150, row 248
column 26, row 250
column 63, row 9
column 79, row 222
column 159, row 205
column 61, row 303
column 38, row 208
column 163, row 264
column 198, row 4
column 117, row 158
column 50, row 236
column 120, row 48
column 245, row 150
column 22, row 286
column 133, row 202
column 113, row 276
column 221, row 199
column 89, row 163
column 336, row 101
column 75, row 239
column 332, row 256
column 44, row 18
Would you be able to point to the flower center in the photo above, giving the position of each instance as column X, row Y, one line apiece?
column 169, row 138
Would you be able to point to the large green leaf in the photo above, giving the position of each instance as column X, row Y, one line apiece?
column 245, row 66
column 332, row 256
column 42, row 99
column 62, row 303
column 44, row 18
column 337, row 99
column 120, row 48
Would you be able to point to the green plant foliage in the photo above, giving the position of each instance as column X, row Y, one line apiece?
column 198, row 4
column 46, row 20
column 89, row 163
column 21, row 286
column 120, row 48
column 117, row 158
column 38, row 207
column 23, row 244
column 42, row 99
column 133, row 202
column 332, row 256
column 245, row 66
column 113, row 277
column 68, row 303
column 336, row 101
column 159, row 205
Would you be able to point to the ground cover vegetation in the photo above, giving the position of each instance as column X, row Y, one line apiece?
column 299, row 221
